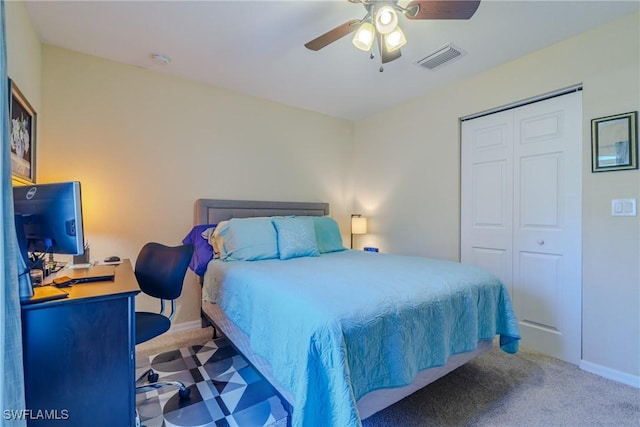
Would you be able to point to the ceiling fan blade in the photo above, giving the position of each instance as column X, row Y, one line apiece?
column 441, row 9
column 332, row 35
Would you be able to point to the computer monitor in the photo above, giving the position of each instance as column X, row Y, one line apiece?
column 49, row 218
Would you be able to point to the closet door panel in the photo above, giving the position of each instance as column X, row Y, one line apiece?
column 547, row 225
column 487, row 194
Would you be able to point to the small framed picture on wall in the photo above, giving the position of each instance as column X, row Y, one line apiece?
column 22, row 138
column 614, row 142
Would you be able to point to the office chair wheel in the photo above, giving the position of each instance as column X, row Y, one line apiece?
column 152, row 377
column 184, row 393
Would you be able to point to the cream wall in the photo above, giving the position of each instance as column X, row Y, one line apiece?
column 407, row 172
column 24, row 58
column 146, row 145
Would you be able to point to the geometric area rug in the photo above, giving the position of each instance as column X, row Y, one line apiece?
column 226, row 391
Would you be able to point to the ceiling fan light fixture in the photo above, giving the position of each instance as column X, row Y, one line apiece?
column 364, row 37
column 395, row 39
column 386, row 19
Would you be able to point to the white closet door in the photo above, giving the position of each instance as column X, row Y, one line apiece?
column 547, row 225
column 543, row 168
column 487, row 194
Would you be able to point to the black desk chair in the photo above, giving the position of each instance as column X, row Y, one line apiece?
column 160, row 271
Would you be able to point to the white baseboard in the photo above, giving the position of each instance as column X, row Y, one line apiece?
column 185, row 326
column 611, row 374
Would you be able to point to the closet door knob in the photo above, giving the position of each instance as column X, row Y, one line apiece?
column 540, row 242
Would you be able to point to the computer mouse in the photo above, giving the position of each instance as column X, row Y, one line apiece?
column 112, row 258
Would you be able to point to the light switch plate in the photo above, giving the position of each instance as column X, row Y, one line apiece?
column 624, row 207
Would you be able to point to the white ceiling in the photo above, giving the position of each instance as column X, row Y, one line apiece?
column 257, row 47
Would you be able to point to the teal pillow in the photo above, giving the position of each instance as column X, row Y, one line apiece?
column 296, row 237
column 328, row 234
column 248, row 239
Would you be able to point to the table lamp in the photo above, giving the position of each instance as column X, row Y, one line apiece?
column 358, row 226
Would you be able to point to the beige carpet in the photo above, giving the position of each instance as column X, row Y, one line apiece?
column 174, row 340
column 527, row 389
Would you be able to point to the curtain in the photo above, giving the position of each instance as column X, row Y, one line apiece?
column 11, row 374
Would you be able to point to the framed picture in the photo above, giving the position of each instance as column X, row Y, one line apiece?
column 614, row 142
column 22, row 137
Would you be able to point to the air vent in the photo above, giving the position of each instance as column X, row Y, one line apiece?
column 440, row 56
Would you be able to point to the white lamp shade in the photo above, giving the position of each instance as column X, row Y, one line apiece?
column 395, row 40
column 358, row 225
column 363, row 38
column 386, row 19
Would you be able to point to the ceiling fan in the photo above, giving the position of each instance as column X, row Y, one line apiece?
column 381, row 23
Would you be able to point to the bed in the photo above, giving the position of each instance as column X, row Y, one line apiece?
column 344, row 334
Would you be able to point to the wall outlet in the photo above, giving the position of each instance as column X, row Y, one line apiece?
column 623, row 207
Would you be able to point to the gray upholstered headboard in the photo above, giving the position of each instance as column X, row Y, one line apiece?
column 212, row 211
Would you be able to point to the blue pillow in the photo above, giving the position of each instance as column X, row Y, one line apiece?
column 202, row 250
column 328, row 234
column 296, row 237
column 248, row 239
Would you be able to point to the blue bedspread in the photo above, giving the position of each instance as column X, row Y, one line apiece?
column 338, row 326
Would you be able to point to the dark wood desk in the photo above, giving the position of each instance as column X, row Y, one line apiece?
column 79, row 354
